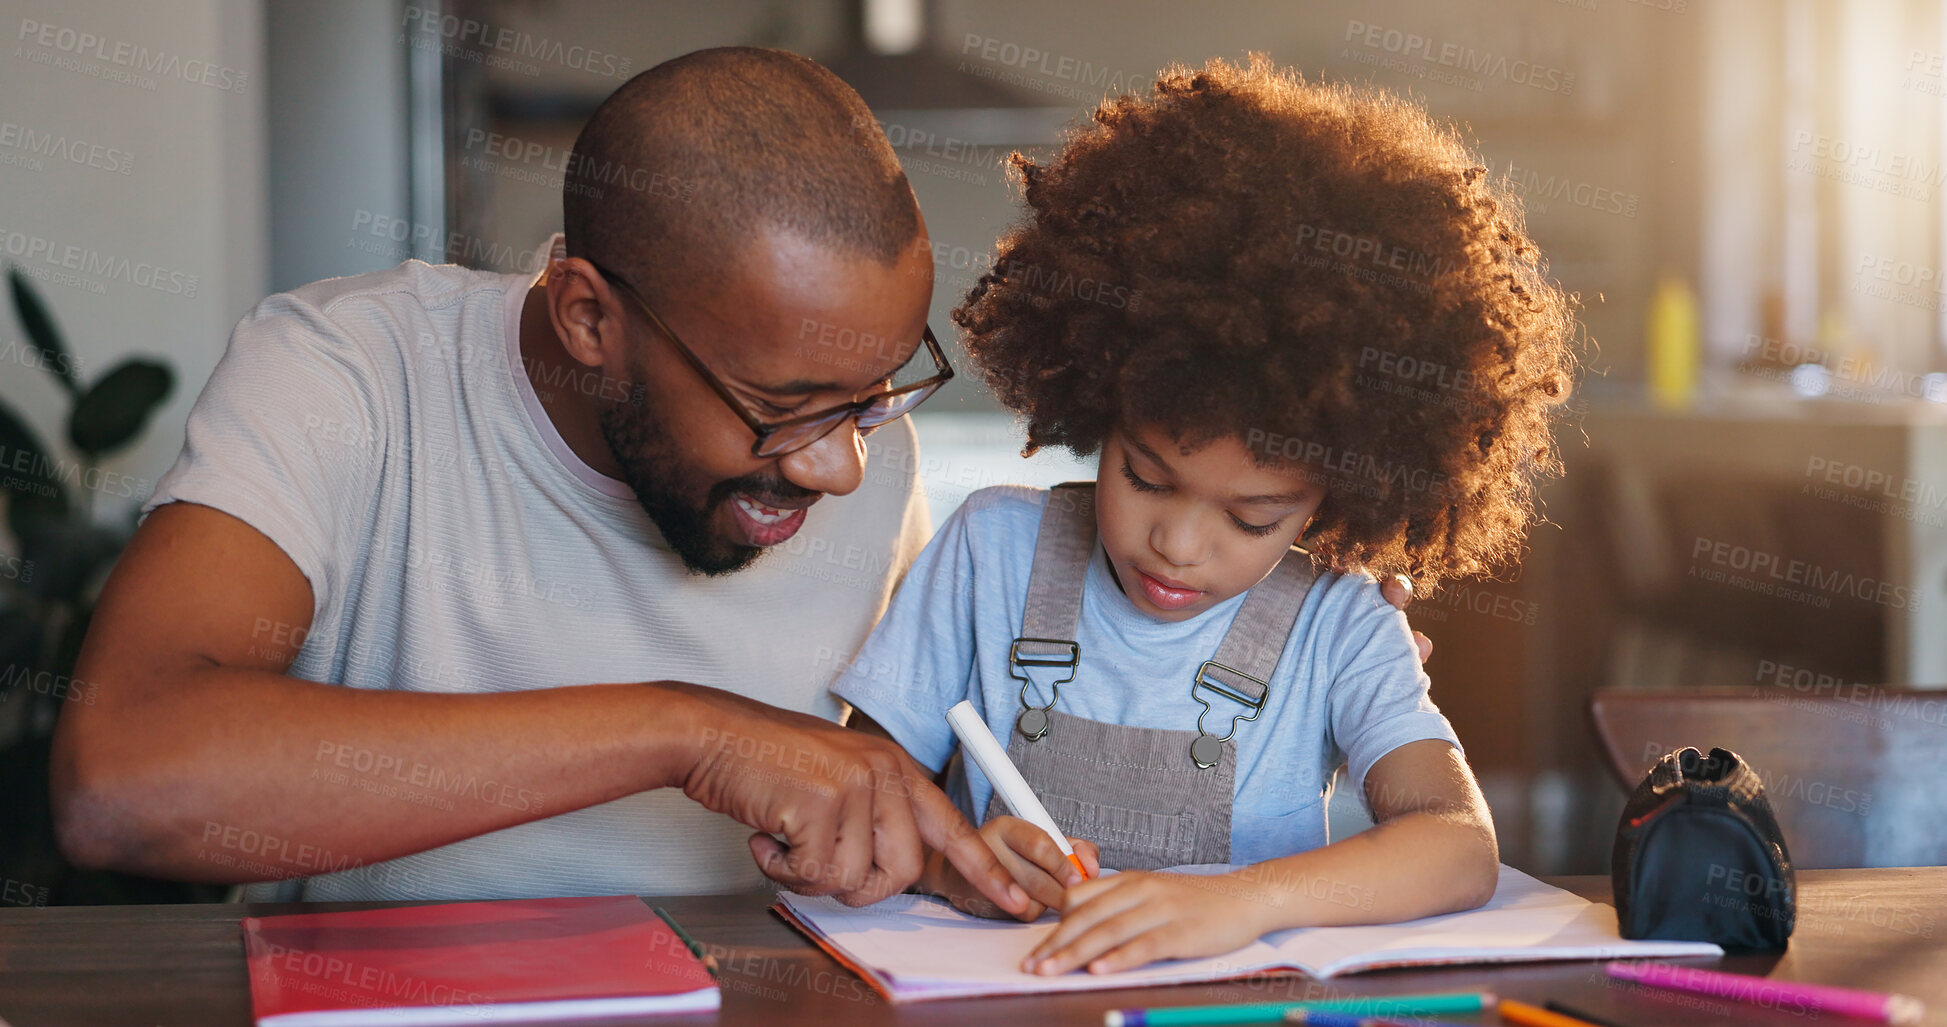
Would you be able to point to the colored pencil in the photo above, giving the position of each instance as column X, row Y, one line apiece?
column 1275, row 1012
column 709, row 961
column 1316, row 1018
column 1534, row 1016
column 1567, row 1010
column 1790, row 996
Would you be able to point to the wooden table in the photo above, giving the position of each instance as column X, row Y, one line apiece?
column 182, row 966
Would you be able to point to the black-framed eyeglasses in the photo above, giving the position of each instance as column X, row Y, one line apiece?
column 790, row 435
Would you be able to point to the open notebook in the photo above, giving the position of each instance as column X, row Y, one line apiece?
column 913, row 948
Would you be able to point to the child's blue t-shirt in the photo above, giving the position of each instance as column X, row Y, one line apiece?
column 1348, row 688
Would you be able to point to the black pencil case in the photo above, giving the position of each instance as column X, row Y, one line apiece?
column 1699, row 856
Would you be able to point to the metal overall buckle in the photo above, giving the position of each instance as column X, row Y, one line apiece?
column 1208, row 748
column 1033, row 721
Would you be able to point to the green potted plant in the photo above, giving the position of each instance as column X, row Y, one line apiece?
column 60, row 554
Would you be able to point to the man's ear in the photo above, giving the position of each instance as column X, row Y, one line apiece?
column 584, row 310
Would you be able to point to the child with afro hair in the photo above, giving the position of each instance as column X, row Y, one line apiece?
column 1310, row 341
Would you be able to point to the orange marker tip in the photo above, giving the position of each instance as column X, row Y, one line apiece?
column 1079, row 868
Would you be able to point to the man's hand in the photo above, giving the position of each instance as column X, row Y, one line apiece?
column 1399, row 591
column 838, row 812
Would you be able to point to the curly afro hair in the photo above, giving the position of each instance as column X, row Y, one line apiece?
column 1320, row 271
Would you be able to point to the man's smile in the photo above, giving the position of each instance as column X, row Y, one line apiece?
column 761, row 524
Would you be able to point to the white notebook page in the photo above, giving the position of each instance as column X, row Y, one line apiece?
column 917, row 948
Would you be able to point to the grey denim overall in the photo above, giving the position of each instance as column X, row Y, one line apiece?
column 1147, row 797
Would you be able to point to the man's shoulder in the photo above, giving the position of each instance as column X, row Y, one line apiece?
column 431, row 285
column 380, row 307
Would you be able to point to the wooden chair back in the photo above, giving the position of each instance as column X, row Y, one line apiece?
column 1857, row 774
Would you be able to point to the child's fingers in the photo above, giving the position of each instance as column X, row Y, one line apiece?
column 1101, row 936
column 1034, row 844
column 1090, row 856
column 1145, row 948
column 1086, row 905
column 942, row 827
column 1094, row 887
column 1045, row 890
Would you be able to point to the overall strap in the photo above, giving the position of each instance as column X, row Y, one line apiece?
column 1061, row 553
column 1241, row 670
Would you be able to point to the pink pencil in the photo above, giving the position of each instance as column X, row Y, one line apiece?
column 1900, row 1010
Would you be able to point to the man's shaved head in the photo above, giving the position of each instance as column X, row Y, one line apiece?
column 694, row 157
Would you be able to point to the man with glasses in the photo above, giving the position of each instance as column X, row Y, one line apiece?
column 456, row 589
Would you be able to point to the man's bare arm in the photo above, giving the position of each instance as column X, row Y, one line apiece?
column 196, row 737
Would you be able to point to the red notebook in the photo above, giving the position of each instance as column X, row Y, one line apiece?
column 514, row 961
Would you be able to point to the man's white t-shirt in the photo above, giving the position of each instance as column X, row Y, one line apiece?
column 382, row 430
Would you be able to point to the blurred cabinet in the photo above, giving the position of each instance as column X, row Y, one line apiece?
column 1768, row 543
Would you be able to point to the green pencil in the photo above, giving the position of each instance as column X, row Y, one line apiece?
column 1274, row 1012
column 696, row 949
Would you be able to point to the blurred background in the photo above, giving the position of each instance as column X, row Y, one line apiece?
column 1745, row 194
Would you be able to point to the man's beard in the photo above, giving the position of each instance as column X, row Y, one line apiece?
column 676, row 498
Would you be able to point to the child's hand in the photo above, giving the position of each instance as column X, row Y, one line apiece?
column 1026, row 852
column 1136, row 917
column 1037, row 863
